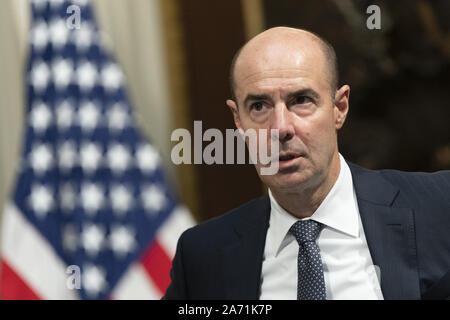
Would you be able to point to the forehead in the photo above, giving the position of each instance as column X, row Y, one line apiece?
column 280, row 65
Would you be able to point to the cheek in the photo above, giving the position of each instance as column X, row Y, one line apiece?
column 318, row 133
column 247, row 123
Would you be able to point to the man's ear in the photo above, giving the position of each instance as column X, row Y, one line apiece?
column 341, row 105
column 234, row 110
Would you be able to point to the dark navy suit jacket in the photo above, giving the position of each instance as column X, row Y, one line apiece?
column 406, row 219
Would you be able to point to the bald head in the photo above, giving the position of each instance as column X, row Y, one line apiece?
column 277, row 45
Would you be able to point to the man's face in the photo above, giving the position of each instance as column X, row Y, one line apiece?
column 289, row 90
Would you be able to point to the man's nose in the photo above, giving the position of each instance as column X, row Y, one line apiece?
column 282, row 120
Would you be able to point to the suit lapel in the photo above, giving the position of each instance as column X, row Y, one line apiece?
column 389, row 232
column 242, row 258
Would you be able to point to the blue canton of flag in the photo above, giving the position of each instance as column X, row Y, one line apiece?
column 89, row 182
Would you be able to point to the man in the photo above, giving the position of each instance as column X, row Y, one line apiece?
column 328, row 229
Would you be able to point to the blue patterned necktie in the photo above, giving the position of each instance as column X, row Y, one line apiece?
column 311, row 283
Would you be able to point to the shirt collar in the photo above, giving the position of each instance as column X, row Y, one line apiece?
column 338, row 210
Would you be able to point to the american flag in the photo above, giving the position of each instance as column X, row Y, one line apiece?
column 90, row 194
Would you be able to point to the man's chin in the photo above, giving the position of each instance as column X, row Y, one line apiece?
column 286, row 181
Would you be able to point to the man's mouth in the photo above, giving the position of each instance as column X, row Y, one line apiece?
column 288, row 156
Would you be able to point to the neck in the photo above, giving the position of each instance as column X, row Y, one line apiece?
column 303, row 202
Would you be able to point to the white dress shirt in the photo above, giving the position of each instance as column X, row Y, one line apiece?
column 348, row 268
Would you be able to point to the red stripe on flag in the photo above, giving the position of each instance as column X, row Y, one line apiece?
column 12, row 287
column 157, row 263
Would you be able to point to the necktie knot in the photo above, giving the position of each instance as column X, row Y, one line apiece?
column 306, row 230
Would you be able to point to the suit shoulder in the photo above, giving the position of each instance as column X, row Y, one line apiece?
column 422, row 185
column 415, row 187
column 438, row 179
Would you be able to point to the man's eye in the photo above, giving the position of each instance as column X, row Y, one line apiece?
column 302, row 99
column 257, row 106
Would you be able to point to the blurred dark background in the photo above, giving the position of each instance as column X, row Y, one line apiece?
column 399, row 77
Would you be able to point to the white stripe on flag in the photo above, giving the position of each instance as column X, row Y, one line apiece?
column 32, row 258
column 135, row 284
column 179, row 220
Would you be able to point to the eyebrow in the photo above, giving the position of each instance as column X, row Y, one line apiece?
column 304, row 92
column 255, row 97
column 301, row 92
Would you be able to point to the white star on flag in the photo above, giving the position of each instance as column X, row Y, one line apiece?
column 83, row 37
column 40, row 76
column 92, row 197
column 117, row 117
column 56, row 3
column 86, row 75
column 121, row 199
column 111, row 77
column 39, row 36
column 67, row 156
column 93, row 280
column 92, row 238
column 147, row 158
column 40, row 117
column 88, row 116
column 62, row 72
column 41, row 158
column 64, row 114
column 122, row 240
column 118, row 158
column 153, row 199
column 41, row 200
column 90, row 156
column 39, row 4
column 68, row 198
column 58, row 33
column 70, row 238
